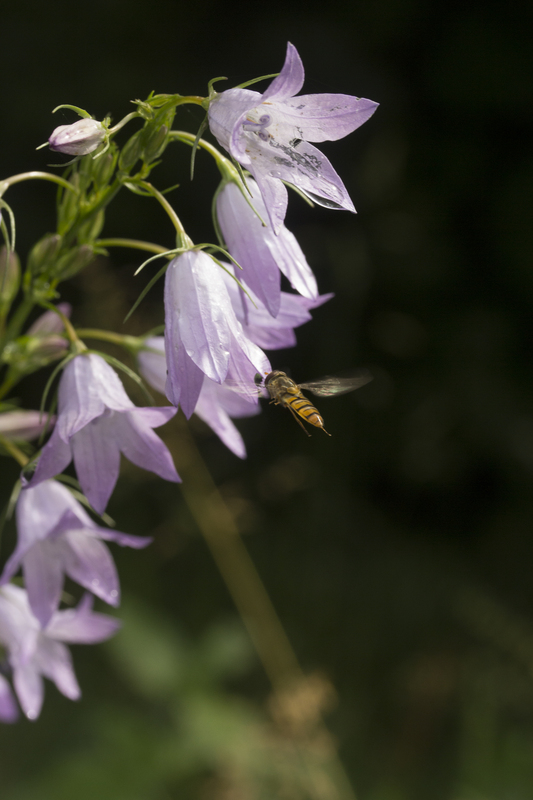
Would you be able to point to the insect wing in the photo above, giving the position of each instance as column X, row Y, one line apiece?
column 331, row 385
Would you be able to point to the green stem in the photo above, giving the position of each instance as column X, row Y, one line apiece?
column 180, row 230
column 129, row 342
column 14, row 451
column 17, row 320
column 35, row 175
column 137, row 244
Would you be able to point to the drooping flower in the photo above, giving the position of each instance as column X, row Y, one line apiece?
column 269, row 134
column 258, row 250
column 202, row 334
column 216, row 403
column 79, row 138
column 97, row 421
column 34, row 652
column 56, row 537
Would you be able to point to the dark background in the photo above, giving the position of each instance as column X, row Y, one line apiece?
column 398, row 553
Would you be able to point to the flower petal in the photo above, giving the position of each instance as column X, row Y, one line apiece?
column 55, row 456
column 143, row 447
column 81, row 625
column 29, row 688
column 89, row 563
column 324, row 117
column 184, row 380
column 291, row 78
column 43, row 576
column 97, row 459
column 8, row 708
column 55, row 663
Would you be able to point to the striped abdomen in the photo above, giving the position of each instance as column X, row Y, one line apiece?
column 301, row 406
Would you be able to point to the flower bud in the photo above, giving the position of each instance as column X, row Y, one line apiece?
column 22, row 425
column 79, row 138
column 9, row 277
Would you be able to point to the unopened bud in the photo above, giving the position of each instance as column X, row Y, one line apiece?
column 79, row 138
column 73, row 262
column 23, row 425
column 9, row 277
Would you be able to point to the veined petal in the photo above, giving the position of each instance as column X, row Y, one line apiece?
column 153, row 366
column 196, row 296
column 122, row 539
column 56, row 455
column 55, row 663
column 43, row 576
column 79, row 400
column 143, row 447
column 273, row 191
column 153, row 416
column 215, row 406
column 293, row 263
column 81, row 625
column 97, row 459
column 110, row 387
column 291, row 78
column 184, row 380
column 29, row 688
column 247, row 241
column 89, row 563
column 323, row 117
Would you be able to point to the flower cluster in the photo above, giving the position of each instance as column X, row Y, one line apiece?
column 219, row 317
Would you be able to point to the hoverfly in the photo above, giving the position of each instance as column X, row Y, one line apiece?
column 284, row 391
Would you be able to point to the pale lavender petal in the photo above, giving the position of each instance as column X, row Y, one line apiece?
column 305, row 167
column 55, row 663
column 214, row 406
column 153, row 416
column 40, row 510
column 290, row 80
column 241, row 374
column 26, row 425
column 273, row 191
column 249, row 353
column 324, row 117
column 43, row 577
column 81, row 625
column 247, row 241
column 49, row 322
column 184, row 381
column 8, row 708
column 227, row 109
column 29, row 688
column 293, row 264
column 123, row 539
column 153, row 366
column 56, row 455
column 143, row 447
column 277, row 338
column 89, row 563
column 79, row 400
column 110, row 387
column 196, row 295
column 97, row 459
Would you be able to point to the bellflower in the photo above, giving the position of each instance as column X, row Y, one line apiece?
column 259, row 251
column 24, row 425
column 79, row 138
column 202, row 334
column 56, row 537
column 97, row 421
column 216, row 403
column 269, row 134
column 8, row 707
column 34, row 652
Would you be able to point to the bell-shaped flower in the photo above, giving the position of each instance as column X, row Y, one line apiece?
column 258, row 250
column 202, row 334
column 96, row 421
column 34, row 652
column 56, row 537
column 269, row 134
column 79, row 138
column 216, row 404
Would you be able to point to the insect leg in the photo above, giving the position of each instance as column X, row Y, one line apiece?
column 299, row 421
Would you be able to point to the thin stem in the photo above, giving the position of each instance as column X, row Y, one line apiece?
column 129, row 342
column 35, row 175
column 17, row 320
column 168, row 208
column 14, row 451
column 137, row 244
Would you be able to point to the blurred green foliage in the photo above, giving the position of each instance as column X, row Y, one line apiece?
column 398, row 554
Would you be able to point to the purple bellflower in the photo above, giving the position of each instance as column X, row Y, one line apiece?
column 202, row 334
column 97, row 421
column 8, row 707
column 79, row 138
column 269, row 134
column 56, row 537
column 258, row 250
column 216, row 403
column 34, row 652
